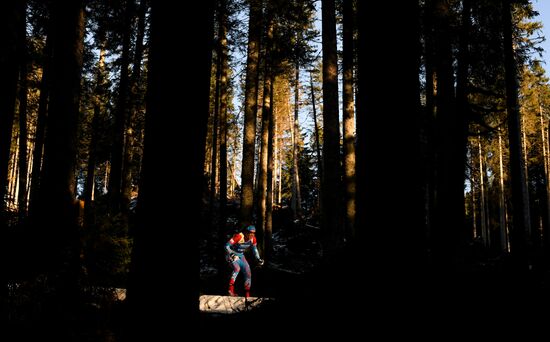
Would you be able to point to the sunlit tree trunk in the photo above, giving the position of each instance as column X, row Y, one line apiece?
column 545, row 206
column 296, row 202
column 474, row 209
column 280, row 176
column 317, row 140
column 263, row 159
column 267, row 236
column 349, row 121
column 12, row 187
column 23, row 90
column 276, row 160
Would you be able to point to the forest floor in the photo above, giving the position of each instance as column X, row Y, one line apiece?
column 314, row 297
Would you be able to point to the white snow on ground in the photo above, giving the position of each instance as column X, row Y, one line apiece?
column 229, row 305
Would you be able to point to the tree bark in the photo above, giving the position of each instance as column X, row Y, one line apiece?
column 223, row 114
column 349, row 121
column 296, row 202
column 117, row 151
column 42, row 115
column 163, row 224
column 128, row 167
column 251, row 103
column 23, row 91
column 58, row 247
column 390, row 219
column 519, row 234
column 333, row 236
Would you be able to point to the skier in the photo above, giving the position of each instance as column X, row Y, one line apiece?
column 235, row 249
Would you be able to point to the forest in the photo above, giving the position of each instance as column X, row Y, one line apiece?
column 382, row 172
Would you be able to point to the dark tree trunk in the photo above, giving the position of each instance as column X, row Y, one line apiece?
column 463, row 234
column 390, row 222
column 223, row 113
column 40, row 127
column 333, row 235
column 56, row 227
column 117, row 151
column 92, row 148
column 519, row 234
column 157, row 253
column 128, row 167
column 251, row 104
column 449, row 152
column 429, row 129
column 215, row 139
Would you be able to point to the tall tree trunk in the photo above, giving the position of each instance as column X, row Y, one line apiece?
column 215, row 125
column 503, row 219
column 267, row 236
column 128, row 167
column 279, row 171
column 463, row 113
column 482, row 203
column 23, row 90
column 58, row 247
column 224, row 64
column 117, row 150
column 430, row 131
column 263, row 160
column 349, row 121
column 333, row 236
column 40, row 127
column 390, row 219
column 130, row 138
column 157, row 240
column 251, row 103
column 520, row 196
column 474, row 210
column 448, row 226
column 12, row 178
column 296, row 202
column 9, row 22
column 317, row 140
column 545, row 208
